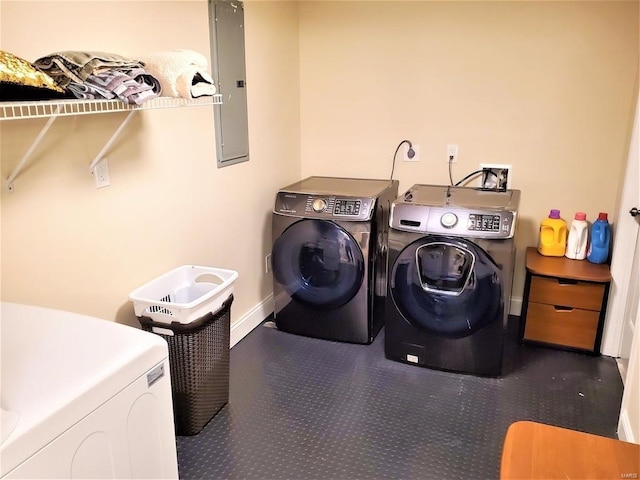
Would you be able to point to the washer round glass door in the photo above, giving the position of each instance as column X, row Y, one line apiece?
column 318, row 263
column 447, row 286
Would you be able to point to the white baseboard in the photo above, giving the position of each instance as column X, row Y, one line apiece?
column 251, row 320
column 625, row 432
column 515, row 306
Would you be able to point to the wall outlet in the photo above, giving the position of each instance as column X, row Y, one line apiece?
column 101, row 172
column 496, row 176
column 452, row 153
column 408, row 156
column 267, row 263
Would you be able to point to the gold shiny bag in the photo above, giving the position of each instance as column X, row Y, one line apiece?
column 20, row 80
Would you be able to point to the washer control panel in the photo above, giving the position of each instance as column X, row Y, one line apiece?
column 479, row 222
column 323, row 206
column 453, row 221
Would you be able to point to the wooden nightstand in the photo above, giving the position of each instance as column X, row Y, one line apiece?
column 564, row 302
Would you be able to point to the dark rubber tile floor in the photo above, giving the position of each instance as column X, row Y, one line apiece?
column 304, row 408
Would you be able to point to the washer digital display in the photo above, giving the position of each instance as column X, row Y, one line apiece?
column 478, row 222
column 347, row 207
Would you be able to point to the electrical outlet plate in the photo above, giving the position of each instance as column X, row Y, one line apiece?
column 416, row 157
column 101, row 173
column 452, row 153
column 267, row 263
column 491, row 182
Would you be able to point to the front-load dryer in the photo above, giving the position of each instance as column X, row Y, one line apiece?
column 329, row 257
column 451, row 260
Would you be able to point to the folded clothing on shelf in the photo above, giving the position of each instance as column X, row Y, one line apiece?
column 181, row 73
column 101, row 75
column 76, row 66
column 134, row 86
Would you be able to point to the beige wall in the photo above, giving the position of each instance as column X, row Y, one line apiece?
column 68, row 245
column 547, row 87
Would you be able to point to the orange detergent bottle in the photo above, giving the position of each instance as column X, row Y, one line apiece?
column 552, row 240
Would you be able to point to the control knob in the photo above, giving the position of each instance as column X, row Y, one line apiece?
column 319, row 205
column 448, row 220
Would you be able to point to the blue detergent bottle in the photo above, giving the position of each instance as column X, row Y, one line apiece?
column 600, row 240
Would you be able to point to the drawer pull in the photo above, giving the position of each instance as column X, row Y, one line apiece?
column 567, row 281
column 561, row 308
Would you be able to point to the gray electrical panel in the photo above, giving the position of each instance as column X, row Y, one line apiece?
column 226, row 20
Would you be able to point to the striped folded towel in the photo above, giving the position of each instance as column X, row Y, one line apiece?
column 134, row 86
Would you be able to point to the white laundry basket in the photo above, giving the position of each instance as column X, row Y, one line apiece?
column 183, row 294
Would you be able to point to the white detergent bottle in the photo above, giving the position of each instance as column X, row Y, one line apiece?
column 578, row 236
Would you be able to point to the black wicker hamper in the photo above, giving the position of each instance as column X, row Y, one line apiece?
column 199, row 366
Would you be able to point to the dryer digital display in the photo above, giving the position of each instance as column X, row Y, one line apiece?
column 347, row 207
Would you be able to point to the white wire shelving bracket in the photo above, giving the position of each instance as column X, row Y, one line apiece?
column 53, row 109
column 111, row 140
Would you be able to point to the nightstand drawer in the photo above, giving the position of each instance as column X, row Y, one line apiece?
column 574, row 328
column 553, row 291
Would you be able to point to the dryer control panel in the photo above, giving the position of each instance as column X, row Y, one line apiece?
column 453, row 221
column 328, row 207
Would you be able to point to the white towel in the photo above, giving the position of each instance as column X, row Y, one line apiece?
column 181, row 73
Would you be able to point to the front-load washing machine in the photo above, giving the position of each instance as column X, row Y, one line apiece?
column 329, row 257
column 451, row 260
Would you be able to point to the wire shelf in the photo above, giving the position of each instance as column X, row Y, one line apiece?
column 53, row 109
column 58, row 108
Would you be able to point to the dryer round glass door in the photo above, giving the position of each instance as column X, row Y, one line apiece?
column 318, row 263
column 447, row 286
